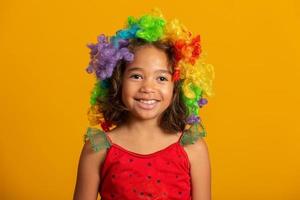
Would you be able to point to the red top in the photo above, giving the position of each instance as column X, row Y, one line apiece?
column 162, row 175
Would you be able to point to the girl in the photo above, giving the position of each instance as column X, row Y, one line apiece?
column 150, row 83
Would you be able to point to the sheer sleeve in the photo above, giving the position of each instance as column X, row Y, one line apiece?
column 97, row 138
column 191, row 135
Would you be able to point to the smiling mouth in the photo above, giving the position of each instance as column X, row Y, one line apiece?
column 147, row 101
column 147, row 104
column 152, row 101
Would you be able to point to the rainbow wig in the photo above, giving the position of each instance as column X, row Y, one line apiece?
column 196, row 76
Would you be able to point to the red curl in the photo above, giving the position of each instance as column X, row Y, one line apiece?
column 188, row 51
column 176, row 75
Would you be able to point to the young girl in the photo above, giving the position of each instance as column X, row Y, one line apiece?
column 150, row 83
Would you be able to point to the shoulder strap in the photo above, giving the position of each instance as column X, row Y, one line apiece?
column 191, row 135
column 98, row 139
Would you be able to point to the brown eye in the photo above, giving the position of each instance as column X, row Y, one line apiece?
column 135, row 76
column 162, row 78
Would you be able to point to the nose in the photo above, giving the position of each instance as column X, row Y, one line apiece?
column 147, row 86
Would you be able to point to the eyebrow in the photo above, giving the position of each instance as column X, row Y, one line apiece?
column 141, row 69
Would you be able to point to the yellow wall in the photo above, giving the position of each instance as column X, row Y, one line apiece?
column 252, row 121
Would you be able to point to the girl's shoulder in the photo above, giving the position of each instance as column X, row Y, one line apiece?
column 98, row 139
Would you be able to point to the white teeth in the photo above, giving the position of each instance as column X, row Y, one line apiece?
column 147, row 101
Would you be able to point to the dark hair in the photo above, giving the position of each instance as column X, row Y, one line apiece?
column 174, row 117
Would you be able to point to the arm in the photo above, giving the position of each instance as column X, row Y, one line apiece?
column 200, row 170
column 88, row 174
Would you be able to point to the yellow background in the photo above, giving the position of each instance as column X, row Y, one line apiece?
column 252, row 121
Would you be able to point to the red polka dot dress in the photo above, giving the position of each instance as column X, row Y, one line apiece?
column 126, row 175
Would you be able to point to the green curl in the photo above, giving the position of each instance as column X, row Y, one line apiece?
column 192, row 103
column 192, row 134
column 150, row 28
column 99, row 91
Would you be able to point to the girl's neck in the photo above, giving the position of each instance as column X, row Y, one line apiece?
column 146, row 129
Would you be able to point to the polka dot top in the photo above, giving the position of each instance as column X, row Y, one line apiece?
column 162, row 175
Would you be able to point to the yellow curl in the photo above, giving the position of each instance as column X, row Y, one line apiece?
column 94, row 115
column 186, row 87
column 175, row 30
column 200, row 75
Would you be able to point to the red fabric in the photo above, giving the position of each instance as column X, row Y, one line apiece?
column 162, row 175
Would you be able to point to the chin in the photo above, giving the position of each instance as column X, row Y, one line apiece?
column 146, row 116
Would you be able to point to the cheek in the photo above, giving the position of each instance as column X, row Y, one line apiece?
column 168, row 93
column 128, row 91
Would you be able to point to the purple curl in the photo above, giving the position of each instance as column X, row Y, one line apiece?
column 193, row 119
column 104, row 56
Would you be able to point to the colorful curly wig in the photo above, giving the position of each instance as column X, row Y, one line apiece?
column 196, row 76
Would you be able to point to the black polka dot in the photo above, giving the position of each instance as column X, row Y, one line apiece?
column 150, row 195
column 149, row 164
column 180, row 192
column 142, row 193
column 158, row 181
column 130, row 160
column 149, row 177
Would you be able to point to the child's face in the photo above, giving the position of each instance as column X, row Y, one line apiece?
column 147, row 84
